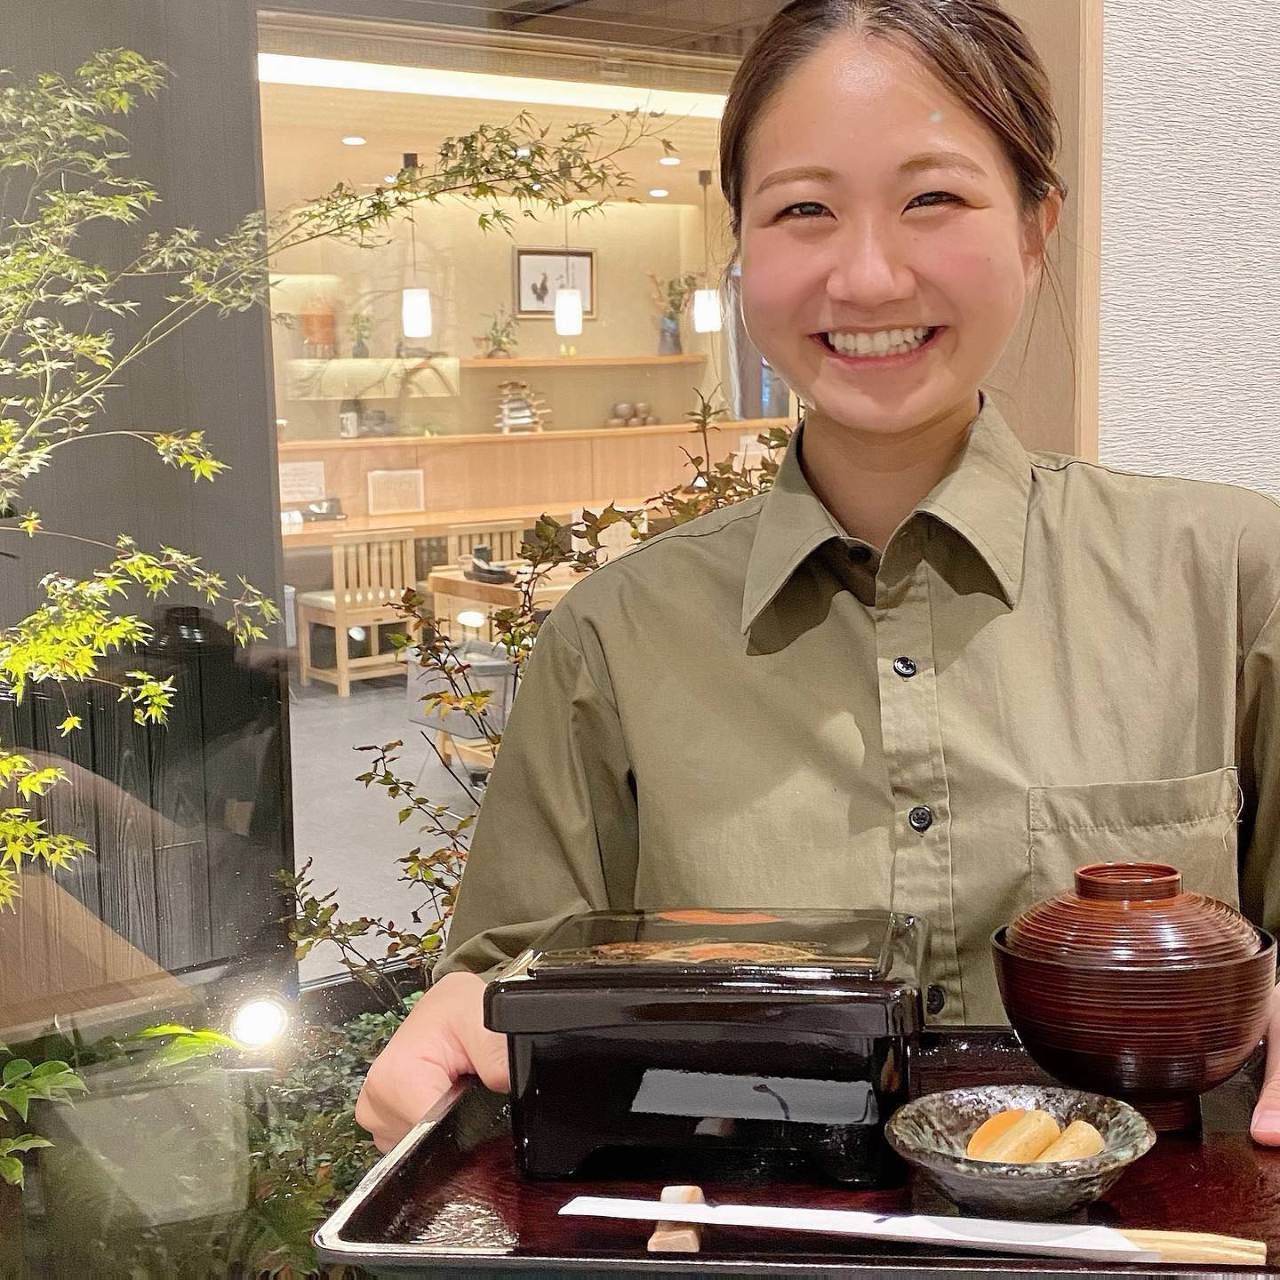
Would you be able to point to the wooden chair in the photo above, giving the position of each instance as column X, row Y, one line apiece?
column 503, row 537
column 370, row 574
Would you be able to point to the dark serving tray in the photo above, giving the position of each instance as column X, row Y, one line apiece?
column 448, row 1198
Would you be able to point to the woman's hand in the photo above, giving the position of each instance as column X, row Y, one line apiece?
column 1266, row 1115
column 442, row 1040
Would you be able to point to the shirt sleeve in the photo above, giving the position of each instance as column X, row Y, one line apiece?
column 1258, row 721
column 557, row 831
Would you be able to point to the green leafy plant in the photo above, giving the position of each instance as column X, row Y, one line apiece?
column 360, row 326
column 672, row 297
column 499, row 339
column 61, row 174
column 305, row 1154
column 23, row 1082
column 62, row 158
column 38, row 1077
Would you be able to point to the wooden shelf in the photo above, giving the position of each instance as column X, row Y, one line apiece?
column 333, row 443
column 388, row 377
column 371, row 378
column 576, row 362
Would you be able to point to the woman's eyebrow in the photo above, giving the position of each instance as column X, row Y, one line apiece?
column 928, row 160
column 816, row 172
column 942, row 160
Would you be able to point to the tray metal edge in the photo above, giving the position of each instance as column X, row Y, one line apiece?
column 328, row 1238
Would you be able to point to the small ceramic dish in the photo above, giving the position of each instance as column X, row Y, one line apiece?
column 931, row 1133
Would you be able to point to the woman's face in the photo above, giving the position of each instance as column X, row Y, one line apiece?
column 885, row 256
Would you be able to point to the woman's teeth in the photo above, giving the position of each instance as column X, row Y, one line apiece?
column 887, row 342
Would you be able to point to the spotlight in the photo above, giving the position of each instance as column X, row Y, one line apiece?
column 356, row 633
column 353, row 140
column 259, row 1021
column 472, row 618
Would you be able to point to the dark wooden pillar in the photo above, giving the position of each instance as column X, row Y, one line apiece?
column 195, row 820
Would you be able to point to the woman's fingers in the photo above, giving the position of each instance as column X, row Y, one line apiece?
column 1265, row 1127
column 397, row 1094
column 442, row 1040
column 485, row 1051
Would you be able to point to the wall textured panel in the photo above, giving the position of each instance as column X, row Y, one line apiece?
column 1190, row 358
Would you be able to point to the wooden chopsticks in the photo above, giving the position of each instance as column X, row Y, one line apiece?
column 1197, row 1246
column 1171, row 1246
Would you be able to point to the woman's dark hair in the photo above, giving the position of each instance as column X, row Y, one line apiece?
column 976, row 49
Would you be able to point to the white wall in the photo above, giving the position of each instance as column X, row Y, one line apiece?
column 1190, row 349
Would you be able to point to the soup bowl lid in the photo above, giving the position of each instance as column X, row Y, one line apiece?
column 1132, row 915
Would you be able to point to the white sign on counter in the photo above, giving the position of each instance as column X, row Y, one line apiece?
column 301, row 482
column 395, row 491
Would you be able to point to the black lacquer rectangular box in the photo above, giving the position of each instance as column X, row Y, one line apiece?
column 768, row 1040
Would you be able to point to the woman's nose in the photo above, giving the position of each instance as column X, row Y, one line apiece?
column 867, row 268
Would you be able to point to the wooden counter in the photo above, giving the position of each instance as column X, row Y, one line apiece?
column 468, row 478
column 436, row 524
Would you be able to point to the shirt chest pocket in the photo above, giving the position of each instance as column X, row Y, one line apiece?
column 1189, row 823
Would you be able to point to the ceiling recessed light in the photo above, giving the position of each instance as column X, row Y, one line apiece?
column 353, row 140
column 326, row 73
column 669, row 160
column 659, row 192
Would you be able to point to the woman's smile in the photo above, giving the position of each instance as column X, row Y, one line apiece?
column 878, row 348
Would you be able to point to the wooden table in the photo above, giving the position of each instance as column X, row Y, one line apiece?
column 451, row 1200
column 453, row 593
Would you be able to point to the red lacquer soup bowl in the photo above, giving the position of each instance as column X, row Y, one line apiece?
column 1130, row 987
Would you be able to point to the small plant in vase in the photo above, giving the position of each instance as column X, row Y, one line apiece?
column 673, row 297
column 361, row 327
column 499, row 340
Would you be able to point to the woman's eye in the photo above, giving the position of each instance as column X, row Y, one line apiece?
column 803, row 204
column 932, row 198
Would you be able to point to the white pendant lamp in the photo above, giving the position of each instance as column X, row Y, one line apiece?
column 415, row 299
column 706, row 311
column 568, row 303
column 415, row 312
column 706, row 302
column 568, row 312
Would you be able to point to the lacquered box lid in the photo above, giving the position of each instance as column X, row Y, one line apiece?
column 599, row 964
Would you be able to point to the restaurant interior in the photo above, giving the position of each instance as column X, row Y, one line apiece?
column 440, row 386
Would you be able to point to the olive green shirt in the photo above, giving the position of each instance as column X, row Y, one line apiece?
column 1052, row 662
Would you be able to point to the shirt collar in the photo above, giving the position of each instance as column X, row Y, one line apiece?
column 983, row 498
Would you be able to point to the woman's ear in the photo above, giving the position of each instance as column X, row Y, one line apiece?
column 1041, row 223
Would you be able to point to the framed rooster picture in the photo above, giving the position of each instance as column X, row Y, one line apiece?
column 540, row 272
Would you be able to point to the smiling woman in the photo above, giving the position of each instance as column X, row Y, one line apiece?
column 866, row 687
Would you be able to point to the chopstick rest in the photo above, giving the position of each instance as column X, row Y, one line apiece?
column 678, row 1237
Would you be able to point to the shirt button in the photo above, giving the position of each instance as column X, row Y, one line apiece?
column 921, row 817
column 905, row 667
column 935, row 999
column 859, row 555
